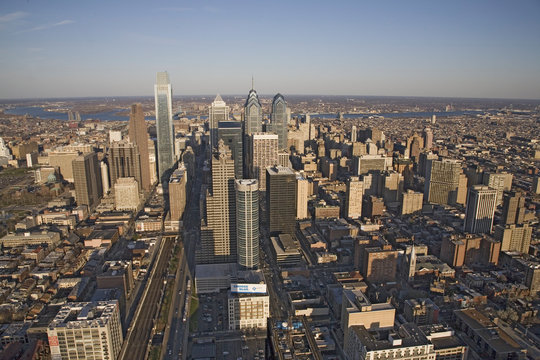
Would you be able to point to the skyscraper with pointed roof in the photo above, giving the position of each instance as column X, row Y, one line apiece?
column 278, row 120
column 164, row 124
column 252, row 113
column 218, row 111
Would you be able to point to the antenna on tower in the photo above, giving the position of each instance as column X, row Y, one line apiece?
column 251, row 81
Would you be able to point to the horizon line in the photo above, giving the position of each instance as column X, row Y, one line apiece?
column 270, row 95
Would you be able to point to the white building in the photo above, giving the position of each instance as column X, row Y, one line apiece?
column 126, row 194
column 86, row 330
column 249, row 306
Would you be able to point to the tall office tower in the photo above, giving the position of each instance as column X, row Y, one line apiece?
column 178, row 193
column 423, row 162
column 442, row 181
column 87, row 178
column 428, row 138
column 535, row 188
column 218, row 237
column 353, row 198
column 218, row 111
column 481, row 203
column 105, row 177
column 281, row 200
column 86, row 330
column 247, row 222
column 124, row 159
column 513, row 208
column 263, row 153
column 138, row 135
column 231, row 134
column 152, row 156
column 499, row 181
column 302, row 194
column 278, row 119
column 354, row 134
column 252, row 114
column 164, row 125
column 126, row 194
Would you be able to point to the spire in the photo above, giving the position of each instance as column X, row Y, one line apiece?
column 251, row 81
column 218, row 98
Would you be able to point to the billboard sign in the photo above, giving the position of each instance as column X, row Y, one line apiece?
column 248, row 288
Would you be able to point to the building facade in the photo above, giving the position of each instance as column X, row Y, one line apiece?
column 247, row 223
column 164, row 124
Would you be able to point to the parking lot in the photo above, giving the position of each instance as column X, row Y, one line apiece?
column 213, row 312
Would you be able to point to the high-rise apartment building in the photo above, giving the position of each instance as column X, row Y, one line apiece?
column 412, row 202
column 354, row 134
column 164, row 125
column 380, row 264
column 514, row 237
column 263, row 153
column 126, row 194
column 178, row 193
column 513, row 208
column 124, row 160
column 138, row 135
column 353, row 198
column 281, row 200
column 87, row 178
column 302, row 194
column 499, row 181
column 252, row 114
column 247, row 223
column 278, row 120
column 392, row 186
column 87, row 330
column 231, row 134
column 218, row 235
column 442, row 181
column 481, row 203
column 217, row 112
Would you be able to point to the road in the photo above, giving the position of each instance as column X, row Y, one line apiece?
column 135, row 345
column 176, row 341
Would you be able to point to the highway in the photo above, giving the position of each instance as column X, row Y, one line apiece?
column 135, row 346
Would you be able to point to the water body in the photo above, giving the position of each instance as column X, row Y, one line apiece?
column 36, row 111
column 113, row 115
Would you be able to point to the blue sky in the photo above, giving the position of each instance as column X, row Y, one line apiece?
column 56, row 48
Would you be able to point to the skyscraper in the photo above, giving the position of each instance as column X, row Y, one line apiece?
column 428, row 138
column 481, row 203
column 353, row 199
column 442, row 181
column 125, row 162
column 218, row 236
column 87, row 178
column 138, row 135
column 252, row 114
column 278, row 120
column 354, row 134
column 177, row 193
column 218, row 111
column 281, row 200
column 231, row 134
column 499, row 181
column 302, row 194
column 164, row 124
column 247, row 222
column 263, row 153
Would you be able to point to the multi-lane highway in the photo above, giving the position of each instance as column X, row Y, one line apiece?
column 135, row 345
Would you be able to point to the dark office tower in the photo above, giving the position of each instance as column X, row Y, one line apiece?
column 124, row 161
column 481, row 203
column 138, row 135
column 218, row 111
column 278, row 120
column 247, row 222
column 252, row 114
column 513, row 208
column 281, row 200
column 218, row 235
column 164, row 125
column 231, row 134
column 87, row 178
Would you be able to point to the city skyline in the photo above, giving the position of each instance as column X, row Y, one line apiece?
column 479, row 50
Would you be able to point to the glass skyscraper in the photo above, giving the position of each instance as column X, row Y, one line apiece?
column 247, row 223
column 164, row 124
column 278, row 120
column 252, row 114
